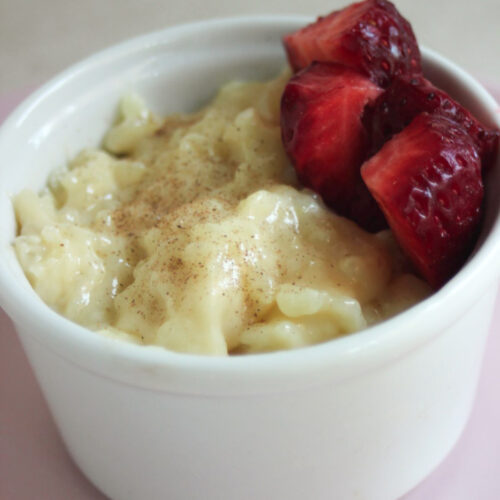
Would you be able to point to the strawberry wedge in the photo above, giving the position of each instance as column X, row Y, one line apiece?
column 371, row 37
column 427, row 180
column 323, row 135
column 407, row 97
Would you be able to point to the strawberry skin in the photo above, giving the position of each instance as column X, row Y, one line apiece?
column 371, row 37
column 427, row 180
column 407, row 97
column 323, row 135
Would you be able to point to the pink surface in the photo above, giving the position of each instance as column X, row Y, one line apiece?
column 35, row 465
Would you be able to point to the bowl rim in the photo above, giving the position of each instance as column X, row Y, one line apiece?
column 382, row 341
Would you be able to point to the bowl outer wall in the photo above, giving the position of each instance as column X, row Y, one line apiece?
column 371, row 437
column 36, row 130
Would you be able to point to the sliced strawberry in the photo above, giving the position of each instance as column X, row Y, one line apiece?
column 369, row 36
column 323, row 135
column 427, row 180
column 407, row 97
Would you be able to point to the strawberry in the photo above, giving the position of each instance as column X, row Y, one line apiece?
column 323, row 135
column 407, row 97
column 427, row 180
column 369, row 36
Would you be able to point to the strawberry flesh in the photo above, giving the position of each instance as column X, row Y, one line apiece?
column 407, row 97
column 427, row 180
column 370, row 36
column 323, row 135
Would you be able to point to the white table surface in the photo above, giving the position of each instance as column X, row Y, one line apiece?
column 38, row 38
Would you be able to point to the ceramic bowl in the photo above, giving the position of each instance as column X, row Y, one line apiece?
column 366, row 416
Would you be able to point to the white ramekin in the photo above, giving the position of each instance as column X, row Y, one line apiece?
column 364, row 417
